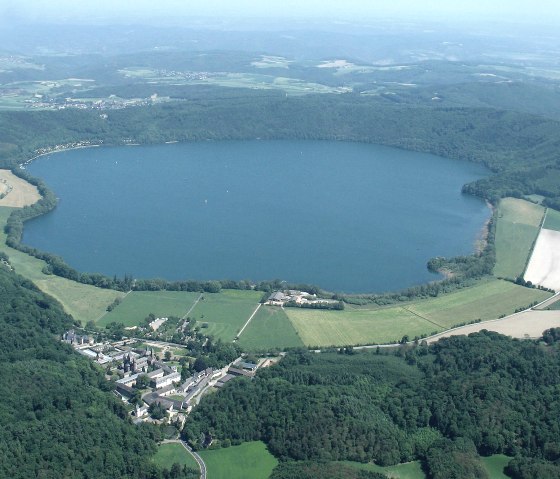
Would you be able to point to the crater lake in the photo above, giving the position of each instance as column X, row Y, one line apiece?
column 349, row 217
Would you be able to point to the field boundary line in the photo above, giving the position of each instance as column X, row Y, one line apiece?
column 441, row 334
column 422, row 317
column 532, row 250
column 105, row 312
column 249, row 320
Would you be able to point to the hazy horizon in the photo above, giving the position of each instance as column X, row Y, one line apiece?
column 544, row 12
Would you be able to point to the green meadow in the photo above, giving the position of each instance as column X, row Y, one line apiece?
column 487, row 300
column 516, row 231
column 138, row 304
column 495, row 465
column 250, row 460
column 269, row 329
column 226, row 312
column 174, row 452
column 552, row 221
column 409, row 470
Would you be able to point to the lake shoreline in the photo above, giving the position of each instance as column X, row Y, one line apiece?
column 335, row 288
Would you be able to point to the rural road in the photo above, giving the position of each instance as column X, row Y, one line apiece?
column 197, row 458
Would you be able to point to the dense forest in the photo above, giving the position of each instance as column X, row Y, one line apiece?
column 444, row 404
column 58, row 416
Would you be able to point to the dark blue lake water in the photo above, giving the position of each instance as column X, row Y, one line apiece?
column 346, row 216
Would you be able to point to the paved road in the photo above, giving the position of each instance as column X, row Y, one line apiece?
column 197, row 458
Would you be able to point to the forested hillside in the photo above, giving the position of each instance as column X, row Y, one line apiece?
column 58, row 418
column 520, row 148
column 444, row 404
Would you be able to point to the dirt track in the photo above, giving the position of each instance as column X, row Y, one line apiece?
column 544, row 266
column 19, row 193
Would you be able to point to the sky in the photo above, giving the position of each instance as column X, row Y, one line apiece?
column 118, row 11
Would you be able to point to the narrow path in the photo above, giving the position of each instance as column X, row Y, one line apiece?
column 248, row 321
column 186, row 315
column 193, row 305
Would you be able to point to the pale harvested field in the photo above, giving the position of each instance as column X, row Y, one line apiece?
column 22, row 193
column 544, row 266
column 525, row 325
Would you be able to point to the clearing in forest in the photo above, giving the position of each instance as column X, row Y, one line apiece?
column 250, row 460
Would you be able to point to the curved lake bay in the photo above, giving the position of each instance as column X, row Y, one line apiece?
column 347, row 216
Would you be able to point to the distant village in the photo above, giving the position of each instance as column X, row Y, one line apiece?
column 154, row 386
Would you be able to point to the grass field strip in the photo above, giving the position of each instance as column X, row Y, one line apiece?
column 192, row 307
column 406, row 308
column 532, row 250
column 249, row 320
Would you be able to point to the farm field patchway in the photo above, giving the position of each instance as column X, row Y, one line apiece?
column 269, row 329
column 544, row 266
column 18, row 192
column 225, row 312
column 138, row 304
column 487, row 300
column 552, row 221
column 516, row 231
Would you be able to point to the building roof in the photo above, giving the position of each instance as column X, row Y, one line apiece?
column 154, row 373
column 239, row 372
column 278, row 296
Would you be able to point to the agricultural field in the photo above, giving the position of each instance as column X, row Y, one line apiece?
column 409, row 470
column 516, row 230
column 360, row 326
column 225, row 312
column 552, row 221
column 138, row 304
column 487, row 300
column 83, row 302
column 17, row 192
column 250, row 460
column 544, row 266
column 230, row 79
column 269, row 329
column 174, row 452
